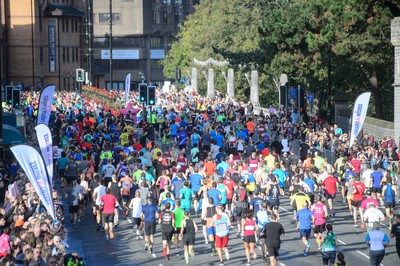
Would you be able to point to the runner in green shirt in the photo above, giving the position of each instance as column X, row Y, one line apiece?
column 179, row 217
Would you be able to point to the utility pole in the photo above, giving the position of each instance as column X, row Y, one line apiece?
column 111, row 47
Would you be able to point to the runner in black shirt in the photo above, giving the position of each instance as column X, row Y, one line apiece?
column 273, row 231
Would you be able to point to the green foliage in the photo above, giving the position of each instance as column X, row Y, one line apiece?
column 301, row 38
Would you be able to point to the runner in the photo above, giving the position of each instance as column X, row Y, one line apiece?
column 263, row 217
column 320, row 213
column 179, row 215
column 389, row 192
column 108, row 203
column 358, row 189
column 329, row 244
column 330, row 185
column 136, row 206
column 273, row 194
column 377, row 240
column 97, row 194
column 167, row 221
column 371, row 215
column 273, row 231
column 376, row 186
column 249, row 230
column 188, row 235
column 241, row 201
column 221, row 222
column 149, row 216
column 305, row 218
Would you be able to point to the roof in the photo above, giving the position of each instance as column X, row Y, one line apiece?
column 53, row 10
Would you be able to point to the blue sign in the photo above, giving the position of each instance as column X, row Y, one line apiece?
column 293, row 93
column 310, row 97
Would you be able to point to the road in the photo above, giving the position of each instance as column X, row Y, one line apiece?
column 126, row 250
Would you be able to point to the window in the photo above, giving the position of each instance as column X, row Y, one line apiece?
column 156, row 17
column 165, row 18
column 104, row 17
column 156, row 42
column 73, row 54
column 155, row 64
column 62, row 25
column 76, row 25
column 67, row 54
column 63, row 54
column 77, row 54
column 67, row 25
column 41, row 54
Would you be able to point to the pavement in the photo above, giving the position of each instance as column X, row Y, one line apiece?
column 125, row 250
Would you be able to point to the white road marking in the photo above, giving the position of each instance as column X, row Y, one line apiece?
column 284, row 209
column 154, row 256
column 282, row 264
column 341, row 242
column 362, row 254
column 130, row 220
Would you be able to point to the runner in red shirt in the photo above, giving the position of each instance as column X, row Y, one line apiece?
column 330, row 184
column 358, row 191
column 230, row 188
column 109, row 203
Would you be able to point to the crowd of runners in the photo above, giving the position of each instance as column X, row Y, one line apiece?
column 193, row 164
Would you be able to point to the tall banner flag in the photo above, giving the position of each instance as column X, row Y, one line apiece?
column 45, row 104
column 33, row 165
column 127, row 87
column 46, row 147
column 359, row 114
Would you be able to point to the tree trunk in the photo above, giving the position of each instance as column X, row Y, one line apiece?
column 373, row 79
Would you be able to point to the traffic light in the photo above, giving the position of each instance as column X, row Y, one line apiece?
column 80, row 75
column 151, row 95
column 16, row 98
column 143, row 93
column 8, row 98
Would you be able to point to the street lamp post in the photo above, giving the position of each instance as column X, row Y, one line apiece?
column 111, row 47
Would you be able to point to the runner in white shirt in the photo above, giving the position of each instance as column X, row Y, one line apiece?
column 136, row 207
column 99, row 192
column 371, row 215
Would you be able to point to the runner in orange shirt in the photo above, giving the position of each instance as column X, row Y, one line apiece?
column 209, row 167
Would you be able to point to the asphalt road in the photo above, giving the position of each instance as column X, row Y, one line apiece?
column 124, row 249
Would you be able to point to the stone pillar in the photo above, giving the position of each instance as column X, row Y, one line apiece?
column 254, row 90
column 395, row 37
column 210, row 84
column 194, row 79
column 231, row 84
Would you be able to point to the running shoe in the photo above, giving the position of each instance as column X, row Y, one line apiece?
column 107, row 237
column 238, row 235
column 355, row 224
column 248, row 263
column 177, row 253
column 164, row 253
column 221, row 263
column 112, row 235
column 206, row 242
column 227, row 256
column 151, row 250
column 362, row 226
column 191, row 253
column 305, row 253
column 146, row 247
column 98, row 227
column 214, row 252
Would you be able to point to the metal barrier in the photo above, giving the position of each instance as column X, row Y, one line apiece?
column 330, row 155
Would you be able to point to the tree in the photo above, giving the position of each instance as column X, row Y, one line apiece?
column 354, row 36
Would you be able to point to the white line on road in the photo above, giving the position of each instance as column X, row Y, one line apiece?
column 154, row 256
column 362, row 254
column 341, row 242
column 282, row 264
column 129, row 220
column 284, row 209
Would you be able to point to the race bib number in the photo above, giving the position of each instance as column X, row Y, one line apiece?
column 222, row 227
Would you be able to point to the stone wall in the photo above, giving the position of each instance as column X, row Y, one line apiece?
column 373, row 126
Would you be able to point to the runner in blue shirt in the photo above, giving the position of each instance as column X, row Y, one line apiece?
column 149, row 216
column 306, row 218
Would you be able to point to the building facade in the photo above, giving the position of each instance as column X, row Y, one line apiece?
column 142, row 31
column 42, row 42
